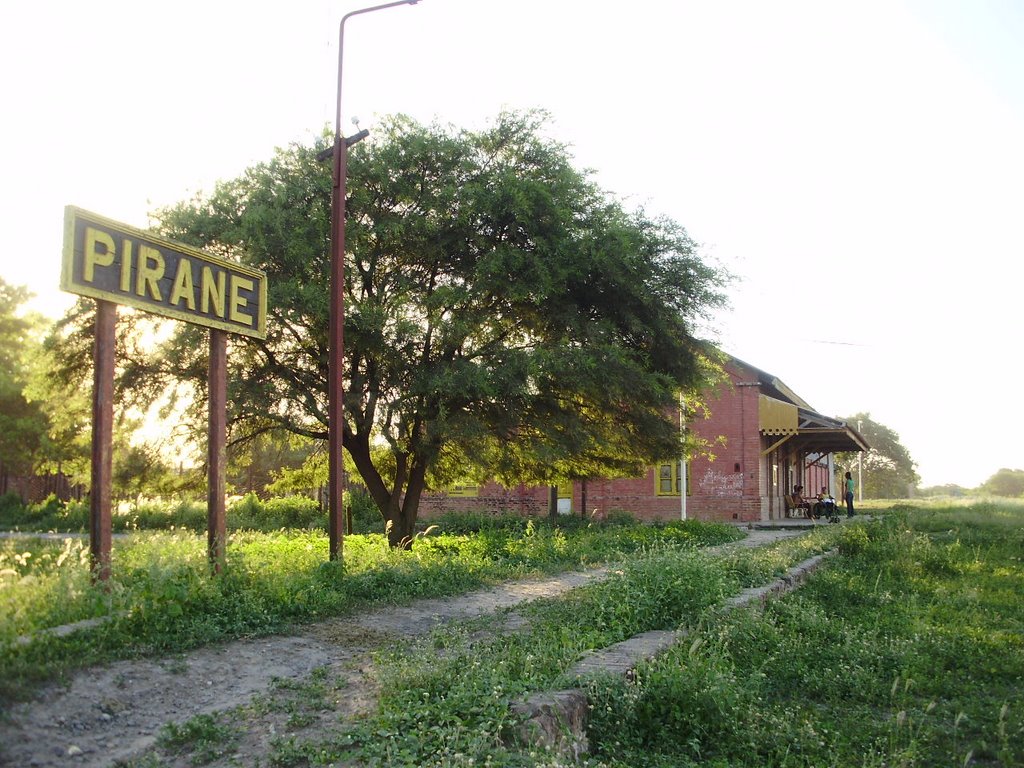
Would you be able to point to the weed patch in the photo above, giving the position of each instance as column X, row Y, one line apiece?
column 204, row 737
column 162, row 597
column 905, row 650
column 445, row 700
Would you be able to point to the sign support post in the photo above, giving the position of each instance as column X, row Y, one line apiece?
column 216, row 454
column 102, row 439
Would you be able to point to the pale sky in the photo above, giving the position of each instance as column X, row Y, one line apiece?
column 860, row 165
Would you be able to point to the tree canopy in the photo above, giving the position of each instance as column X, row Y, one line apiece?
column 1005, row 482
column 503, row 314
column 23, row 423
column 888, row 471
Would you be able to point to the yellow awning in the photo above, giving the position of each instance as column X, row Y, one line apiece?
column 776, row 417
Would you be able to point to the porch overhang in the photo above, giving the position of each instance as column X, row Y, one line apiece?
column 826, row 440
column 803, row 430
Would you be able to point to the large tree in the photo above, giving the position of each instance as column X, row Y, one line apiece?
column 887, row 469
column 62, row 386
column 502, row 312
column 61, row 381
column 23, row 422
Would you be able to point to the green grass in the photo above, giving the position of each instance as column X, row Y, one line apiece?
column 203, row 737
column 446, row 700
column 162, row 598
column 905, row 649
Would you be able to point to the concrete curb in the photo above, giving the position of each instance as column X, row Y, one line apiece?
column 557, row 720
column 66, row 629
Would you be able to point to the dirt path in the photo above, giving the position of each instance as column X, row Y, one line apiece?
column 114, row 713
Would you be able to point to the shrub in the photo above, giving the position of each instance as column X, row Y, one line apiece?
column 252, row 513
column 292, row 512
column 366, row 518
column 73, row 516
column 619, row 517
column 164, row 515
column 247, row 512
column 10, row 508
column 50, row 514
column 475, row 522
column 854, row 541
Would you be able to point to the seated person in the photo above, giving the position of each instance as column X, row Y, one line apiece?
column 799, row 502
column 826, row 504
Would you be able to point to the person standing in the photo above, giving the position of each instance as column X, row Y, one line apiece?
column 849, row 495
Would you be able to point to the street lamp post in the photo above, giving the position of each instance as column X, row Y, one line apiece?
column 336, row 342
column 860, row 466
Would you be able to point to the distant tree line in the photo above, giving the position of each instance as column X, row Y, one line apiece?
column 887, row 471
column 1005, row 482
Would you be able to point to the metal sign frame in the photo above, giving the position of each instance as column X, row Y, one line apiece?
column 108, row 260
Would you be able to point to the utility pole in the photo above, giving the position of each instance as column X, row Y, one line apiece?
column 336, row 340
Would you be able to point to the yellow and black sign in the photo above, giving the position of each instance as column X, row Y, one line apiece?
column 107, row 260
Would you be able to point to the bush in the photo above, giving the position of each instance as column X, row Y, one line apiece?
column 619, row 517
column 72, row 516
column 50, row 514
column 293, row 512
column 12, row 512
column 366, row 517
column 252, row 513
column 10, row 508
column 475, row 522
column 854, row 541
column 164, row 516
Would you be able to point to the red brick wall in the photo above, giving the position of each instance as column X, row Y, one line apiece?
column 730, row 485
column 634, row 495
column 35, row 488
column 492, row 498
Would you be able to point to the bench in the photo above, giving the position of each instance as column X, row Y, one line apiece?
column 792, row 509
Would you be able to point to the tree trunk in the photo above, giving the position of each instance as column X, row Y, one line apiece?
column 403, row 527
column 398, row 505
column 358, row 447
column 401, row 530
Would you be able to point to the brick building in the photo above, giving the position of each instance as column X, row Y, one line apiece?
column 32, row 489
column 764, row 440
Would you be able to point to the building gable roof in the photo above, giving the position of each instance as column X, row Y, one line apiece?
column 783, row 412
